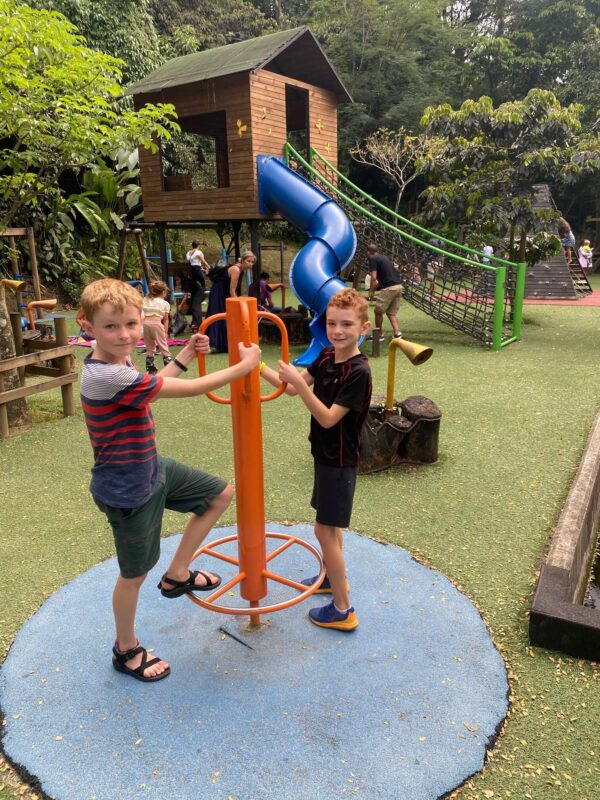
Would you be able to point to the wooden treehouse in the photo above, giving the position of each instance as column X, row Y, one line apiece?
column 236, row 102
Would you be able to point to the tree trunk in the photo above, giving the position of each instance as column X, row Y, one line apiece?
column 18, row 418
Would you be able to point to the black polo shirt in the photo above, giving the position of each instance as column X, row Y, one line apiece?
column 346, row 384
column 387, row 274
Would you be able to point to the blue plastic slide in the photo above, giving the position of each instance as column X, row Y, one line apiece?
column 331, row 242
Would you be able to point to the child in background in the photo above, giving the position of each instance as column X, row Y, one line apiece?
column 131, row 483
column 338, row 405
column 585, row 255
column 156, row 312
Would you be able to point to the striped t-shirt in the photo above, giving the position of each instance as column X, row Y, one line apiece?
column 116, row 404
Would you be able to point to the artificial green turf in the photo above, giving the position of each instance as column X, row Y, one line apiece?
column 513, row 427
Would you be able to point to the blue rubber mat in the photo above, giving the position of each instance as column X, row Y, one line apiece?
column 402, row 707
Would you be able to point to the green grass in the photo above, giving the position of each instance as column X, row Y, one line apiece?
column 513, row 427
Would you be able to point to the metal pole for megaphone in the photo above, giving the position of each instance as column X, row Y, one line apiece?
column 242, row 317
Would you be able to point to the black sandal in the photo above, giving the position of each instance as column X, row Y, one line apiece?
column 185, row 587
column 120, row 659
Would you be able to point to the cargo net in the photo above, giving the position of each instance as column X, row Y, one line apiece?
column 449, row 287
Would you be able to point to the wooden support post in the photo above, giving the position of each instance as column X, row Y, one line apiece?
column 256, row 269
column 37, row 292
column 376, row 342
column 65, row 365
column 15, row 323
column 122, row 252
column 4, row 430
column 144, row 264
column 162, row 251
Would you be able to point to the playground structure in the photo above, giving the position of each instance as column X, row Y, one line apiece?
column 447, row 280
column 242, row 317
column 50, row 358
column 556, row 278
column 251, row 100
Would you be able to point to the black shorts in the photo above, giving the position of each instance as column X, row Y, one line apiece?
column 333, row 494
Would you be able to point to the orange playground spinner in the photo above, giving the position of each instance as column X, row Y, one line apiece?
column 242, row 317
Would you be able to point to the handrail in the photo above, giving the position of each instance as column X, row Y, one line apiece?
column 499, row 271
column 405, row 220
column 462, row 259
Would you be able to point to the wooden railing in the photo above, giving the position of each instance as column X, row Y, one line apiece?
column 32, row 358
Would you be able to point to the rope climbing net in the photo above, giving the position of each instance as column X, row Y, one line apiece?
column 440, row 277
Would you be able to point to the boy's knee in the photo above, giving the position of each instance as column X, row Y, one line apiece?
column 224, row 499
column 133, row 582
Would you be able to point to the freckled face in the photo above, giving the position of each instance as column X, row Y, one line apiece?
column 116, row 332
column 344, row 328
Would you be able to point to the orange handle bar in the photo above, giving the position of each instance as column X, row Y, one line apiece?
column 285, row 355
column 226, row 401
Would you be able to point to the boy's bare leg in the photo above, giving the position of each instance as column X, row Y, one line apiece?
column 194, row 534
column 330, row 539
column 125, row 599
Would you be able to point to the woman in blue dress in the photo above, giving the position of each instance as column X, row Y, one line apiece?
column 229, row 285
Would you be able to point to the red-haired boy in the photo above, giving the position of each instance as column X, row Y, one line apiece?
column 336, row 389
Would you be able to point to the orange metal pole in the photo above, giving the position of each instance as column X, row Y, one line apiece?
column 242, row 326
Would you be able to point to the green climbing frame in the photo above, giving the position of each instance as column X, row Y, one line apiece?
column 445, row 279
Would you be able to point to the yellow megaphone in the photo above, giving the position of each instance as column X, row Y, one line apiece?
column 16, row 286
column 416, row 354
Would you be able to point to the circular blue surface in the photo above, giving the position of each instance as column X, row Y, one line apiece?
column 402, row 707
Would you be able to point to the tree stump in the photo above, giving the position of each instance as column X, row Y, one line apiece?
column 406, row 435
column 421, row 445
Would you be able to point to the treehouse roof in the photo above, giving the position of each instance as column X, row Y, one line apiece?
column 294, row 53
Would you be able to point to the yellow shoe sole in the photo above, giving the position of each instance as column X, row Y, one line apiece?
column 348, row 624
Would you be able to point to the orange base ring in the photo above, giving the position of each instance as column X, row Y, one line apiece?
column 305, row 592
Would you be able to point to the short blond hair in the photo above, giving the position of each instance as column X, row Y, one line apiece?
column 108, row 290
column 350, row 298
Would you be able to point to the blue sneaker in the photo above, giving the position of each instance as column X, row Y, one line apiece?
column 329, row 617
column 324, row 588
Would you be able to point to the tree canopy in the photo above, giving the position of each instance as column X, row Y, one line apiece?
column 491, row 158
column 59, row 113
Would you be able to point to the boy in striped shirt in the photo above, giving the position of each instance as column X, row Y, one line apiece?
column 131, row 483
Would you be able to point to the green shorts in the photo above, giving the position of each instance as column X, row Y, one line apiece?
column 137, row 530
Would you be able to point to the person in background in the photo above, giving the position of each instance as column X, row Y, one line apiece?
column 199, row 267
column 229, row 284
column 488, row 251
column 156, row 312
column 567, row 238
column 585, row 254
column 265, row 301
column 385, row 290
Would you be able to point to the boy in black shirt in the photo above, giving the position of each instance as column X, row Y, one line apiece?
column 338, row 405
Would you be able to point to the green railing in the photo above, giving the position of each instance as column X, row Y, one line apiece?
column 315, row 158
column 483, row 300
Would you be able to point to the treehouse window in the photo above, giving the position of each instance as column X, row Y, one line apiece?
column 296, row 118
column 196, row 158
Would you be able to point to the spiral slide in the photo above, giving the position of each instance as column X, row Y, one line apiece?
column 314, row 272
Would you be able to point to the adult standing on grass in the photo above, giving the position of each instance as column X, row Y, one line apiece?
column 385, row 290
column 199, row 267
column 131, row 483
column 228, row 284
